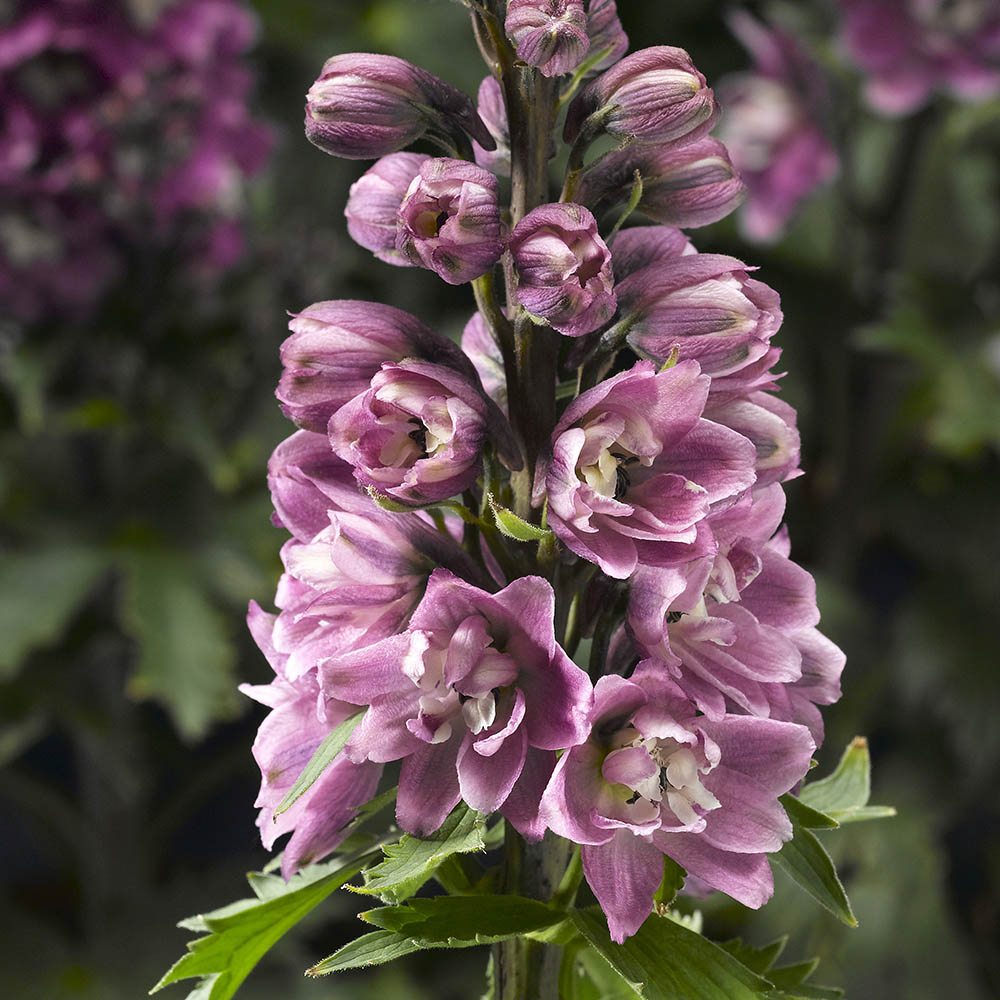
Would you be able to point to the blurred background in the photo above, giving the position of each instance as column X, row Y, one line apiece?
column 161, row 212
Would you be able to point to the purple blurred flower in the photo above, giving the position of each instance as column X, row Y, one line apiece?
column 687, row 185
column 654, row 95
column 773, row 126
column 655, row 778
column 373, row 206
column 548, row 34
column 563, row 268
column 475, row 697
column 449, row 220
column 417, row 434
column 635, row 469
column 910, row 48
column 85, row 181
column 705, row 305
column 493, row 111
column 364, row 105
column 337, row 347
column 606, row 34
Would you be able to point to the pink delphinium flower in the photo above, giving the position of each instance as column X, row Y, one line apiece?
column 655, row 778
column 476, row 693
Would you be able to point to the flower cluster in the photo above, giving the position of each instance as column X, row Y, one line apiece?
column 618, row 408
column 115, row 132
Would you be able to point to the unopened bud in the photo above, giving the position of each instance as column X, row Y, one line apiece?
column 549, row 34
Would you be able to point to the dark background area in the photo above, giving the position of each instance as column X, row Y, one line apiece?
column 135, row 528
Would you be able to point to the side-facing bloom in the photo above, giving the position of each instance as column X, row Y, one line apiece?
column 548, row 34
column 910, row 48
column 648, row 246
column 654, row 95
column 373, row 204
column 706, row 306
column 655, row 778
column 689, row 185
column 417, row 433
column 606, row 34
column 449, row 220
column 365, row 105
column 300, row 719
column 493, row 111
column 635, row 469
column 336, row 347
column 773, row 126
column 474, row 697
column 564, row 274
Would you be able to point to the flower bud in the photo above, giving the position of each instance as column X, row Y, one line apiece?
column 687, row 186
column 449, row 220
column 336, row 347
column 563, row 269
column 484, row 352
column 606, row 34
column 647, row 246
column 549, row 34
column 704, row 305
column 493, row 111
column 374, row 202
column 364, row 106
column 654, row 95
column 417, row 434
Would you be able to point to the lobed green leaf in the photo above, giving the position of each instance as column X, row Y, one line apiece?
column 843, row 795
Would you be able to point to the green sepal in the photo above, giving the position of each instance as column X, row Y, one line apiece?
column 325, row 755
column 515, row 527
column 843, row 795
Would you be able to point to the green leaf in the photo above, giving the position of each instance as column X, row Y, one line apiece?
column 464, row 921
column 788, row 976
column 376, row 948
column 805, row 860
column 665, row 961
column 671, row 884
column 186, row 658
column 515, row 527
column 757, row 960
column 324, row 756
column 806, row 816
column 411, row 862
column 39, row 591
column 238, row 935
column 806, row 993
column 843, row 795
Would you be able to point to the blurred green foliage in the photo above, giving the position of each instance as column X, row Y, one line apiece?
column 134, row 528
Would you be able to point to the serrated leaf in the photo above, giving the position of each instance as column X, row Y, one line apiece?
column 806, row 816
column 664, row 961
column 324, row 756
column 788, row 976
column 757, row 960
column 412, row 861
column 457, row 921
column 238, row 935
column 843, row 795
column 186, row 658
column 376, row 948
column 515, row 527
column 39, row 591
column 806, row 861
